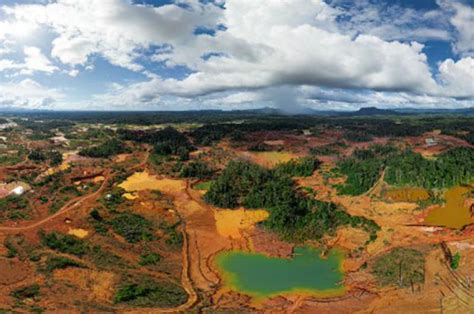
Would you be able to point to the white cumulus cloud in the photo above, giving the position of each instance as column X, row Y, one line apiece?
column 28, row 93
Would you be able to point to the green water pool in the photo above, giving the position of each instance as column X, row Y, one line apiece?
column 261, row 276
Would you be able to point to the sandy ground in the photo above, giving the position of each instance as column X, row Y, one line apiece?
column 231, row 223
column 141, row 181
column 80, row 233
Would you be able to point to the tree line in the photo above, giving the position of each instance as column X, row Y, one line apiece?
column 405, row 168
column 451, row 168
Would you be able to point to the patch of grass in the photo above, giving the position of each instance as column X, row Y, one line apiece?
column 401, row 267
column 203, row 186
column 150, row 293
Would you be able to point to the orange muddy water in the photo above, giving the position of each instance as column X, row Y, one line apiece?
column 455, row 212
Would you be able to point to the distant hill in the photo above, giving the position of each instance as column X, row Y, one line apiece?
column 372, row 111
column 267, row 111
column 465, row 111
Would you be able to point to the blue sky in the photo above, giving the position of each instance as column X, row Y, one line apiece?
column 236, row 54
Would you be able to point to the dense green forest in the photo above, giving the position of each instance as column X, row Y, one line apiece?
column 405, row 168
column 463, row 130
column 167, row 141
column 212, row 125
column 105, row 150
column 293, row 214
column 450, row 168
column 363, row 168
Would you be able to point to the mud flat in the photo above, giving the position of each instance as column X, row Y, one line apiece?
column 141, row 181
column 230, row 223
column 455, row 213
column 261, row 276
column 407, row 195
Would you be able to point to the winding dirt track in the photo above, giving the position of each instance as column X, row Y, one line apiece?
column 377, row 184
column 186, row 282
column 66, row 208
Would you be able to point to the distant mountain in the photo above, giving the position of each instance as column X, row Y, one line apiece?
column 372, row 111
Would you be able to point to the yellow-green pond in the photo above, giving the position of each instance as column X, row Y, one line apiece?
column 261, row 276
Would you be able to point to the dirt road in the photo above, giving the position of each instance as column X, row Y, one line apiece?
column 66, row 208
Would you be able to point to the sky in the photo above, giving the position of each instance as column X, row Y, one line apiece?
column 236, row 54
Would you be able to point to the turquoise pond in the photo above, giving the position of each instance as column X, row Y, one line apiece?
column 261, row 276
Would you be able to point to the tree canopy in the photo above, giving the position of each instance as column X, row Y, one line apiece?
column 293, row 214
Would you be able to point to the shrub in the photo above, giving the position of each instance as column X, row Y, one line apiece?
column 14, row 207
column 26, row 292
column 64, row 243
column 37, row 155
column 56, row 158
column 132, row 227
column 105, row 259
column 149, row 259
column 196, row 169
column 53, row 263
column 151, row 293
column 455, row 261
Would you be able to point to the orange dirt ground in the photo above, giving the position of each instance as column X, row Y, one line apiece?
column 208, row 231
